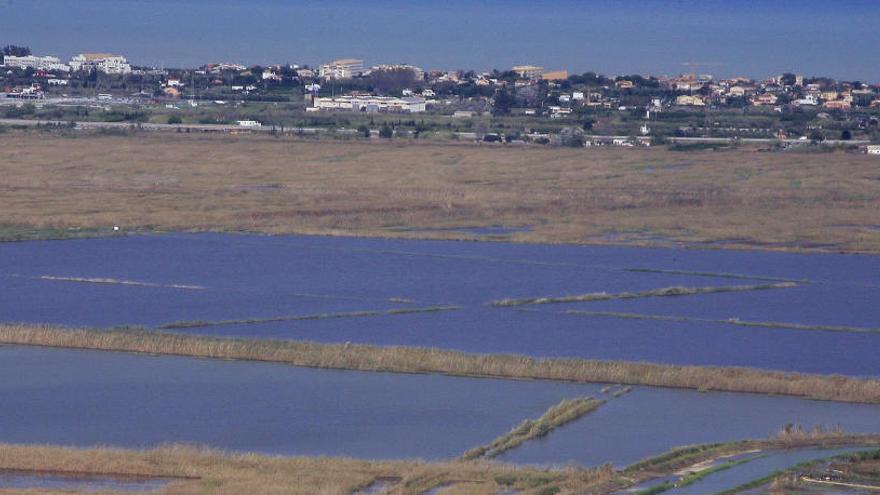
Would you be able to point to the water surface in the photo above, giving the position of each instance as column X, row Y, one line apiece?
column 88, row 398
column 251, row 276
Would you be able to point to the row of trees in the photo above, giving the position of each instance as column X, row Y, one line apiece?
column 14, row 51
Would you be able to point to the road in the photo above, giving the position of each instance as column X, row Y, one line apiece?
column 318, row 130
column 158, row 127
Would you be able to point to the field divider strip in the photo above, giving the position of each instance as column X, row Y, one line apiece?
column 558, row 415
column 696, row 273
column 113, row 281
column 420, row 360
column 727, row 321
column 674, row 291
column 317, row 316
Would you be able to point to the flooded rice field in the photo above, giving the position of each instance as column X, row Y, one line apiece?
column 87, row 398
column 353, row 290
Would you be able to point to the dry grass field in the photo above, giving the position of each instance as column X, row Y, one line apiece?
column 165, row 181
column 195, row 471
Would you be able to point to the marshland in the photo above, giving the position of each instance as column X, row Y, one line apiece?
column 737, row 198
column 359, row 347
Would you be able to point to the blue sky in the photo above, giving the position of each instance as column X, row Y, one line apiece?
column 753, row 38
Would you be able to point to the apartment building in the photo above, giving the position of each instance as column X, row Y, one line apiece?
column 345, row 68
column 36, row 63
column 102, row 62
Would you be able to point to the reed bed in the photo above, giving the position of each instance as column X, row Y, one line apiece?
column 319, row 316
column 196, row 182
column 662, row 292
column 729, row 321
column 437, row 361
column 558, row 415
column 113, row 281
column 200, row 471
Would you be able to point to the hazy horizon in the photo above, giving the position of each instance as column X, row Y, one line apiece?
column 747, row 38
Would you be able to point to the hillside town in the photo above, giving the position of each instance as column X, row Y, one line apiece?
column 782, row 106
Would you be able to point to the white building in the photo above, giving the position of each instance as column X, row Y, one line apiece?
column 371, row 104
column 873, row 149
column 345, row 68
column 529, row 71
column 102, row 62
column 249, row 123
column 807, row 100
column 418, row 72
column 37, row 63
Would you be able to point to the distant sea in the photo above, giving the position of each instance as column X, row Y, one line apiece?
column 746, row 37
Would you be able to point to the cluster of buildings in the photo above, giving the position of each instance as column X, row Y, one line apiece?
column 101, row 62
column 537, row 91
column 784, row 89
column 369, row 104
column 534, row 72
column 348, row 68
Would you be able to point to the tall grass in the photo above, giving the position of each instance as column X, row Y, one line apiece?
column 428, row 360
column 560, row 414
column 319, row 316
column 567, row 198
column 729, row 321
column 199, row 471
column 662, row 292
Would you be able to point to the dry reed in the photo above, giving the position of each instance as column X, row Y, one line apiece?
column 662, row 292
column 427, row 360
column 198, row 471
column 729, row 321
column 187, row 182
column 558, row 415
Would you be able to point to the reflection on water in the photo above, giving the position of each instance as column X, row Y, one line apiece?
column 89, row 398
column 23, row 480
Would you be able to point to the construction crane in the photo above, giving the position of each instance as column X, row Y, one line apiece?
column 694, row 65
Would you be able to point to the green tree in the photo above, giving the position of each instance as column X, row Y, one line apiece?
column 386, row 131
column 503, row 102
